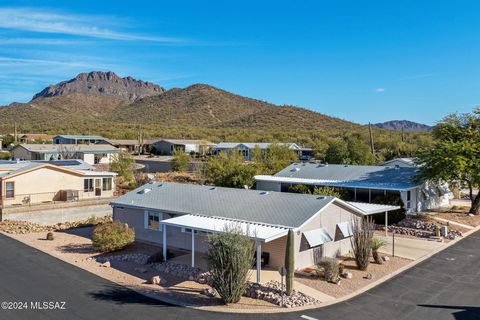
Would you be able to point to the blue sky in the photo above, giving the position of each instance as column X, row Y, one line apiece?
column 358, row 60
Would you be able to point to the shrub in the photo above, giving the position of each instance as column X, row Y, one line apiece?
column 50, row 236
column 361, row 240
column 377, row 243
column 299, row 188
column 112, row 236
column 229, row 257
column 330, row 268
column 180, row 160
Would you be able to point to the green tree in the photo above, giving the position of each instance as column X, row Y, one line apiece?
column 455, row 156
column 230, row 170
column 331, row 191
column 350, row 150
column 230, row 256
column 274, row 159
column 124, row 165
column 180, row 160
column 299, row 188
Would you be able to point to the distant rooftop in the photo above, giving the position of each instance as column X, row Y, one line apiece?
column 80, row 137
column 253, row 145
column 56, row 148
column 186, row 141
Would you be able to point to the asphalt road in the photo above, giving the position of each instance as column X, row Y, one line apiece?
column 446, row 286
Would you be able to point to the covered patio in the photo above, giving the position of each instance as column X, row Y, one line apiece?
column 196, row 224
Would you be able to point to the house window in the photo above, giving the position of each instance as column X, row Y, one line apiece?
column 153, row 221
column 10, row 189
column 409, row 196
column 107, row 184
column 88, row 185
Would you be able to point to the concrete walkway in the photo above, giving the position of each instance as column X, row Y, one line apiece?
column 410, row 248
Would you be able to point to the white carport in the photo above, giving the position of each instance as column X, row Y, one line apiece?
column 256, row 231
column 368, row 209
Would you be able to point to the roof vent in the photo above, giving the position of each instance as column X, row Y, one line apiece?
column 160, row 185
column 320, row 198
column 397, row 166
column 264, row 193
column 213, row 188
column 143, row 191
column 245, row 187
column 295, row 170
column 345, row 165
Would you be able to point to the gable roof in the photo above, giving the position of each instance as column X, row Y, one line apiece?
column 80, row 137
column 274, row 208
column 81, row 148
column 379, row 177
column 12, row 170
column 186, row 141
column 406, row 161
column 253, row 145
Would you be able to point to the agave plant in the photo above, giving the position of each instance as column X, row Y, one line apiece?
column 377, row 243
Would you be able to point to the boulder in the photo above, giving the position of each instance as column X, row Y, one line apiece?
column 386, row 258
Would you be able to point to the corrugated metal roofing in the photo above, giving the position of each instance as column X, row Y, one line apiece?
column 82, row 148
column 253, row 145
column 317, row 237
column 353, row 176
column 274, row 208
column 256, row 231
column 80, row 137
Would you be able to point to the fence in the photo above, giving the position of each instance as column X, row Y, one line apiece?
column 61, row 196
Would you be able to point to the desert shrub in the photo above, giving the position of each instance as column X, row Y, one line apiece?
column 331, row 191
column 330, row 268
column 377, row 243
column 108, row 237
column 393, row 216
column 361, row 240
column 229, row 257
column 299, row 188
column 50, row 236
column 180, row 160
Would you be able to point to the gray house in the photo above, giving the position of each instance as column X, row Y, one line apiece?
column 167, row 146
column 181, row 216
column 246, row 148
column 77, row 139
column 364, row 183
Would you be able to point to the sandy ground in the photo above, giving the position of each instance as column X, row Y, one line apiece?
column 460, row 217
column 357, row 282
column 74, row 246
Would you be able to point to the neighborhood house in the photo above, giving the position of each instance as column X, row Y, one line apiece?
column 167, row 146
column 182, row 215
column 362, row 183
column 78, row 139
column 29, row 183
column 246, row 148
column 90, row 153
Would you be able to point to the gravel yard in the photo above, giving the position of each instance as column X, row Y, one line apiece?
column 358, row 281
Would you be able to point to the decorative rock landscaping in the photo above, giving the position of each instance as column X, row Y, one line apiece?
column 24, row 227
column 418, row 228
column 272, row 292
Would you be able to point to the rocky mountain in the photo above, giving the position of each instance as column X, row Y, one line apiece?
column 103, row 84
column 403, row 124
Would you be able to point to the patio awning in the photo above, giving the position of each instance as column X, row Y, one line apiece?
column 256, row 231
column 372, row 208
column 345, row 228
column 317, row 237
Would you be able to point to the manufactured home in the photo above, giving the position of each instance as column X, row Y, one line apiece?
column 180, row 216
column 362, row 183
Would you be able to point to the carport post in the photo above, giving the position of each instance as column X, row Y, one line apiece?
column 193, row 248
column 164, row 243
column 386, row 223
column 369, row 195
column 259, row 260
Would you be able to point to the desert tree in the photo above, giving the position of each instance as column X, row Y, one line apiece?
column 361, row 241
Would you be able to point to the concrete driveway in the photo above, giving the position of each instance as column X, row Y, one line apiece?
column 412, row 249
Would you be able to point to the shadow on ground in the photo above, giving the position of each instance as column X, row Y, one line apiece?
column 464, row 312
column 121, row 295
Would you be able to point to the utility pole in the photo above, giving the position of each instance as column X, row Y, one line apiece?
column 372, row 146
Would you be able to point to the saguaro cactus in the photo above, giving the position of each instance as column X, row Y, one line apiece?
column 290, row 261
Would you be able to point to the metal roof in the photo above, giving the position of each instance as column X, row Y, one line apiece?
column 373, row 177
column 345, row 228
column 80, row 148
column 273, row 208
column 253, row 145
column 406, row 161
column 15, row 167
column 262, row 232
column 80, row 137
column 317, row 237
column 372, row 208
column 185, row 141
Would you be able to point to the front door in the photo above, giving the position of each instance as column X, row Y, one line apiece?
column 98, row 187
